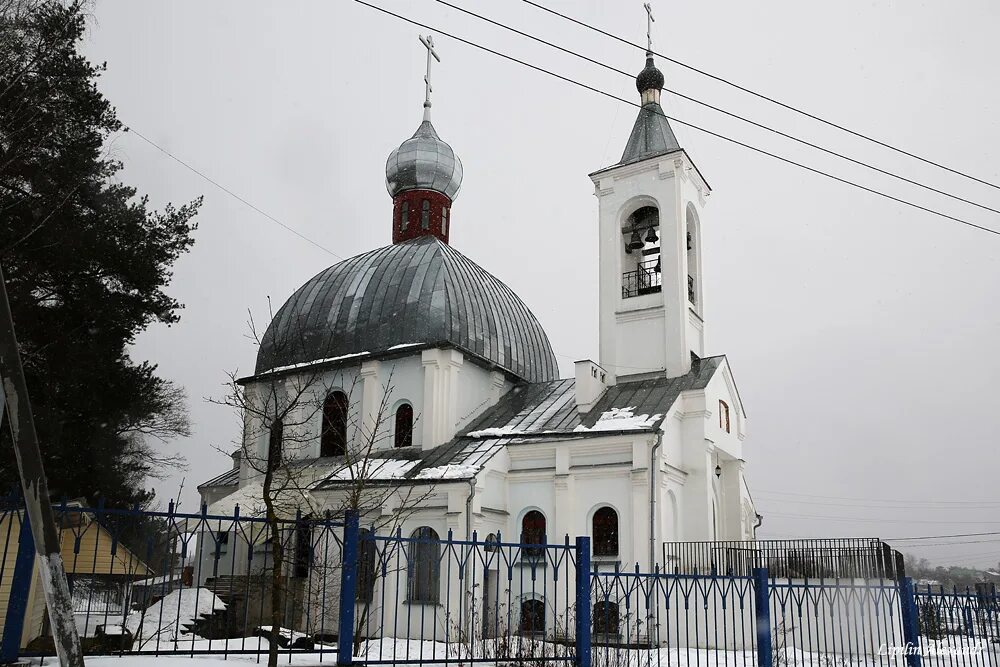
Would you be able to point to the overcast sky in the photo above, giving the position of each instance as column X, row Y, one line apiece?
column 862, row 333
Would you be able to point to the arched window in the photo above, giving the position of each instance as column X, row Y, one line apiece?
column 367, row 558
column 606, row 619
column 274, row 443
column 444, row 220
column 424, row 567
column 641, row 241
column 605, row 532
column 404, row 425
column 532, row 617
column 333, row 436
column 425, row 214
column 533, row 533
column 724, row 416
column 404, row 216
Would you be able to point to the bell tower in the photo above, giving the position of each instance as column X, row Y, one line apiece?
column 650, row 209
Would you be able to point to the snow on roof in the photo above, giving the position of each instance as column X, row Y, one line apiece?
column 449, row 471
column 380, row 469
column 314, row 362
column 621, row 419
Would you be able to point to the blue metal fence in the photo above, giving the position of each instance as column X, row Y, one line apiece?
column 191, row 583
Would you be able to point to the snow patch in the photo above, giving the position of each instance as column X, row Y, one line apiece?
column 166, row 620
column 449, row 471
column 315, row 362
column 404, row 345
column 495, row 432
column 620, row 419
column 373, row 469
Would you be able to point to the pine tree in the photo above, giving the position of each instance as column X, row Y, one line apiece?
column 86, row 263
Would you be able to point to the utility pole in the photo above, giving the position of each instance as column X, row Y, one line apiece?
column 36, row 491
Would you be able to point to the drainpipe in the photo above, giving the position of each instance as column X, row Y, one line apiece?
column 468, row 536
column 760, row 520
column 652, row 500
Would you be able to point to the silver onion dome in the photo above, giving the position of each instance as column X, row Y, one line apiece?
column 424, row 162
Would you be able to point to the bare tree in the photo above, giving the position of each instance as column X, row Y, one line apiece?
column 278, row 411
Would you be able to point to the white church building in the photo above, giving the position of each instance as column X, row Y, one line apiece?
column 457, row 377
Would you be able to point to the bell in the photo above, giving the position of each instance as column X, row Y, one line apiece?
column 635, row 242
column 657, row 267
column 651, row 236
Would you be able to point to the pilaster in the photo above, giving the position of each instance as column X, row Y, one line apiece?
column 370, row 421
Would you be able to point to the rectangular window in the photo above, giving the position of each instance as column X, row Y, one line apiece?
column 404, row 217
column 425, row 215
column 444, row 220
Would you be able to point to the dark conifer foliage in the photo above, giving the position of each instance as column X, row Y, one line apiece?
column 87, row 264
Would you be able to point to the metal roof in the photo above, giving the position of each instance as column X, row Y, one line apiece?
column 546, row 412
column 229, row 478
column 550, row 407
column 418, row 292
column 425, row 162
column 651, row 135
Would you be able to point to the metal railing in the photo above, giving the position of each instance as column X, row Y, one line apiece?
column 645, row 279
column 170, row 583
column 851, row 558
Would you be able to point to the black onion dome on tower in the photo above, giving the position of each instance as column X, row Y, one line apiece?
column 651, row 135
column 420, row 293
column 650, row 77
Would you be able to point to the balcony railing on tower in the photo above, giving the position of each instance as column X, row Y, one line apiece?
column 646, row 279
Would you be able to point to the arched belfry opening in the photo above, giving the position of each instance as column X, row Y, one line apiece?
column 693, row 237
column 641, row 247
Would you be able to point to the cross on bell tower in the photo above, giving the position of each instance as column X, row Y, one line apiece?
column 428, row 43
column 649, row 28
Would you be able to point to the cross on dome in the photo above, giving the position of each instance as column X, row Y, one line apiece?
column 649, row 28
column 428, row 43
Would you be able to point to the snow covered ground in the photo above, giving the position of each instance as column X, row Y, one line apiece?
column 164, row 622
column 438, row 653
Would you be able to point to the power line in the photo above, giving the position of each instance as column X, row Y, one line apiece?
column 681, row 122
column 724, row 111
column 932, row 508
column 873, row 500
column 871, row 520
column 228, row 191
column 766, row 98
column 937, row 537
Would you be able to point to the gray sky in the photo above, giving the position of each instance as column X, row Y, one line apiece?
column 861, row 332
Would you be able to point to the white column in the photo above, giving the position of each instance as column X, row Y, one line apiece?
column 497, row 382
column 732, row 483
column 370, row 422
column 441, row 380
column 565, row 522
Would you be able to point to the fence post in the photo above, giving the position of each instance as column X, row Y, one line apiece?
column 762, row 607
column 348, row 588
column 20, row 588
column 583, row 625
column 910, row 619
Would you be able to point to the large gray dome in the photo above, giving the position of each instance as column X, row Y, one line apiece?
column 424, row 162
column 421, row 292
